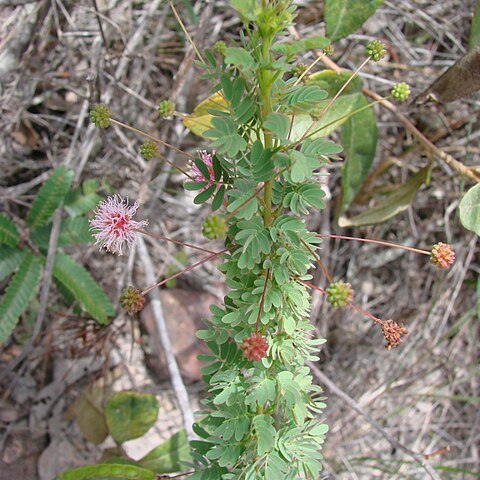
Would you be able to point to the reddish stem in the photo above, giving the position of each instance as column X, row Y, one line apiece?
column 378, row 242
column 350, row 305
column 262, row 299
column 185, row 270
column 177, row 242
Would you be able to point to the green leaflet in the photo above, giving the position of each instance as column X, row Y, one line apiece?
column 10, row 259
column 359, row 139
column 108, row 472
column 8, row 231
column 398, row 201
column 83, row 287
column 20, row 291
column 470, row 209
column 343, row 17
column 169, row 455
column 130, row 414
column 49, row 197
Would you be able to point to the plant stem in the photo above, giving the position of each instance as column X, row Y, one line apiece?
column 378, row 242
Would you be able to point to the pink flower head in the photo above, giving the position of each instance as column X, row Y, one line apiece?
column 254, row 347
column 442, row 255
column 206, row 158
column 113, row 220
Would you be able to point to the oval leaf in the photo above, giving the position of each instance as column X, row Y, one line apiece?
column 395, row 203
column 470, row 210
column 343, row 17
column 108, row 472
column 359, row 139
column 200, row 120
column 169, row 455
column 130, row 414
column 474, row 38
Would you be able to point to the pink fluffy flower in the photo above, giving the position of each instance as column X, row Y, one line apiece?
column 113, row 220
column 206, row 158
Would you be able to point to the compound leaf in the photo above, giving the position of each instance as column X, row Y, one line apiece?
column 83, row 287
column 8, row 231
column 19, row 292
column 49, row 197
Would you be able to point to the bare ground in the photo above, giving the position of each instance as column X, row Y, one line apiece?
column 56, row 58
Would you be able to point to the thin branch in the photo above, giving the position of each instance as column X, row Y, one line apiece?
column 177, row 382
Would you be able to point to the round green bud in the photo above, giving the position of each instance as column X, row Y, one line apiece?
column 400, row 91
column 339, row 294
column 214, row 227
column 100, row 115
column 166, row 108
column 375, row 50
column 148, row 150
column 220, row 47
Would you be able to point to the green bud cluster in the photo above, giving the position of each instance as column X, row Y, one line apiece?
column 166, row 108
column 100, row 115
column 214, row 227
column 375, row 50
column 220, row 47
column 400, row 91
column 339, row 294
column 149, row 150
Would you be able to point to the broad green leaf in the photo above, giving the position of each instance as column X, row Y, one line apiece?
column 10, row 259
column 359, row 139
column 470, row 209
column 8, row 231
column 108, row 471
column 83, row 287
column 200, row 120
column 343, row 17
column 474, row 38
column 169, row 455
column 49, row 197
column 239, row 57
column 398, row 201
column 130, row 414
column 20, row 290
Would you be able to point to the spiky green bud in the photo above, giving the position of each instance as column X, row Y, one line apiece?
column 149, row 150
column 328, row 50
column 339, row 294
column 100, row 115
column 220, row 47
column 375, row 50
column 132, row 300
column 166, row 108
column 400, row 91
column 214, row 227
column 298, row 70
